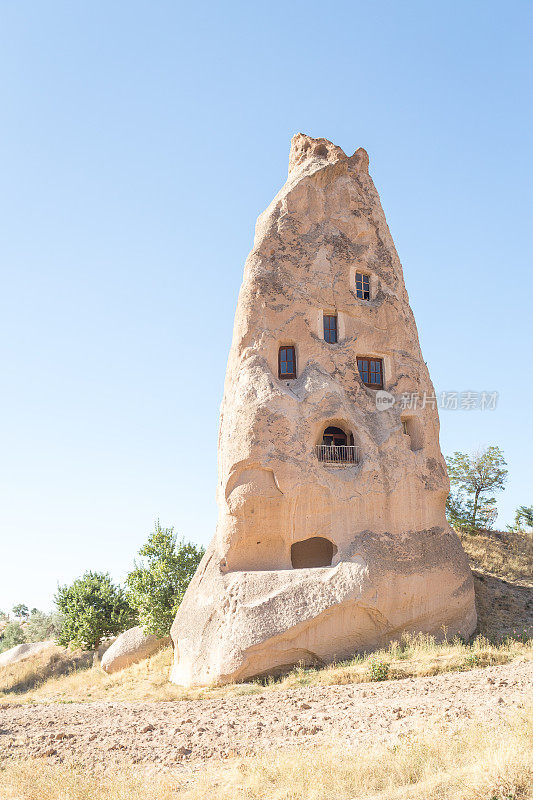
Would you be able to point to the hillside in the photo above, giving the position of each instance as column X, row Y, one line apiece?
column 417, row 721
column 502, row 564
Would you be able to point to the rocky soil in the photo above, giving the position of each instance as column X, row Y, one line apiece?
column 185, row 733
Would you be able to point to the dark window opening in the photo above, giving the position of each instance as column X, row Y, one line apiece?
column 371, row 372
column 287, row 362
column 314, row 552
column 334, row 437
column 330, row 328
column 362, row 286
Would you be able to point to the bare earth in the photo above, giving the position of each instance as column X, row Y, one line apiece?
column 185, row 733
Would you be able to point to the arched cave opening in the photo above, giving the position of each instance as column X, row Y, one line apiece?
column 336, row 437
column 314, row 552
column 337, row 446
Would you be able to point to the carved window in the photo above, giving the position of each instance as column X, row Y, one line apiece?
column 413, row 430
column 362, row 286
column 371, row 371
column 287, row 362
column 330, row 328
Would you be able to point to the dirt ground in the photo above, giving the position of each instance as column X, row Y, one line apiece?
column 185, row 733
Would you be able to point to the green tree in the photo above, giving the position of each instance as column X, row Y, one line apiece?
column 474, row 480
column 156, row 585
column 456, row 510
column 12, row 635
column 460, row 512
column 92, row 608
column 21, row 611
column 41, row 627
column 523, row 519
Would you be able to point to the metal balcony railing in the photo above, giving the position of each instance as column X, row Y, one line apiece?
column 337, row 454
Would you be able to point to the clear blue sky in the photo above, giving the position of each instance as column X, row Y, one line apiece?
column 140, row 140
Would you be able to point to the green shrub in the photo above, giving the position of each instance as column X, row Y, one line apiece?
column 521, row 635
column 156, row 586
column 379, row 670
column 41, row 627
column 13, row 635
column 92, row 608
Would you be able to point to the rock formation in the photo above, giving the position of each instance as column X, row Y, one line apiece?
column 130, row 647
column 22, row 651
column 332, row 536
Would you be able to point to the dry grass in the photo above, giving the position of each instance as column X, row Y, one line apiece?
column 147, row 680
column 503, row 569
column 478, row 762
column 504, row 554
column 502, row 565
column 53, row 662
column 413, row 656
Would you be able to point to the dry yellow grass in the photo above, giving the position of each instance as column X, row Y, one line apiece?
column 147, row 680
column 477, row 762
column 503, row 564
column 413, row 656
column 504, row 554
column 53, row 662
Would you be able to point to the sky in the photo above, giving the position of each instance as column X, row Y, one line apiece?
column 139, row 142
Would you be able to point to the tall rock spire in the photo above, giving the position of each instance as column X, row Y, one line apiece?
column 332, row 536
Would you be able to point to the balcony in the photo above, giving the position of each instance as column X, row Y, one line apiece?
column 337, row 454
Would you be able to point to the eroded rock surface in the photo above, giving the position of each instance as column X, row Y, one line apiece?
column 130, row 647
column 22, row 651
column 332, row 536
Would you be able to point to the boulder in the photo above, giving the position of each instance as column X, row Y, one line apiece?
column 130, row 647
column 332, row 537
column 22, row 651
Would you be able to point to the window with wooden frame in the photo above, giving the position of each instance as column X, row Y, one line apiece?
column 362, row 286
column 330, row 328
column 287, row 362
column 371, row 371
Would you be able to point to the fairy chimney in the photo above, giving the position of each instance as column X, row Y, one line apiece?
column 332, row 536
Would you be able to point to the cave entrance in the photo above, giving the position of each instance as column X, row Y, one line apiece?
column 314, row 552
column 336, row 437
